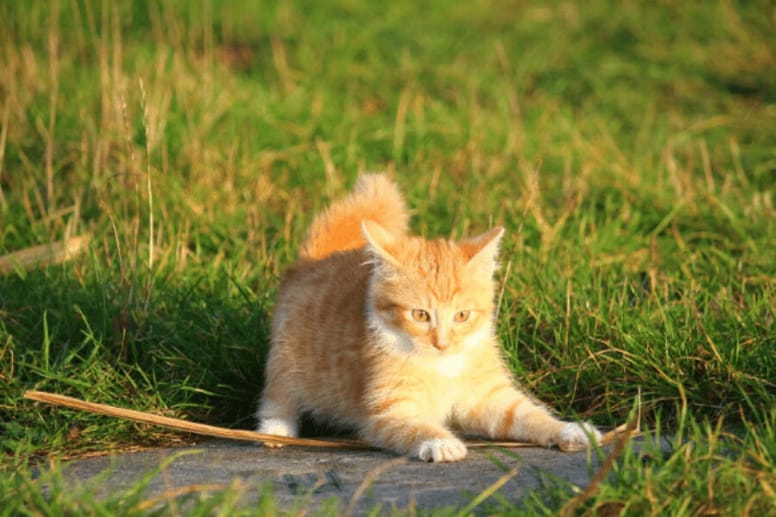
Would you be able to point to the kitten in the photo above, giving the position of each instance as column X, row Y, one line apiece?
column 393, row 336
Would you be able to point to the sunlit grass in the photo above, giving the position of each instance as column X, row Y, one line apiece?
column 629, row 150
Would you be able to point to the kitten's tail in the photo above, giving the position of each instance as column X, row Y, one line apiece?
column 375, row 197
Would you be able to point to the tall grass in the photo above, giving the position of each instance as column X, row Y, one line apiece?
column 629, row 149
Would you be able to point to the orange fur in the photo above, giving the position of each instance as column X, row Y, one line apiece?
column 393, row 336
column 376, row 198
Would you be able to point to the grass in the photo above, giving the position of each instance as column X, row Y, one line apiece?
column 628, row 148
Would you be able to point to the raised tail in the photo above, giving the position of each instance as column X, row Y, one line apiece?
column 376, row 198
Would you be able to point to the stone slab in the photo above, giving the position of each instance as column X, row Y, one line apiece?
column 309, row 477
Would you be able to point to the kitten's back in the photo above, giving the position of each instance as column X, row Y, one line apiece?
column 319, row 336
column 376, row 198
column 316, row 361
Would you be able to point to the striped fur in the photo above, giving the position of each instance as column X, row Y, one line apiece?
column 393, row 336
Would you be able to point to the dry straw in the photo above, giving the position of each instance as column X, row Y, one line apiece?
column 245, row 435
column 44, row 255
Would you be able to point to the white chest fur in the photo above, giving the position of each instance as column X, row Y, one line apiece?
column 450, row 365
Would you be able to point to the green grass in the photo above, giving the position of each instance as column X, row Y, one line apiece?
column 628, row 148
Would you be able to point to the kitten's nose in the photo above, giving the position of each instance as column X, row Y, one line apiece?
column 439, row 342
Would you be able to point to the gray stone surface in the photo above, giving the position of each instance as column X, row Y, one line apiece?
column 308, row 477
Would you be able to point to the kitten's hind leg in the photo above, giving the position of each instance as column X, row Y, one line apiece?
column 277, row 414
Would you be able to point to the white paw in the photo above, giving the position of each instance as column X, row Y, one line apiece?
column 442, row 449
column 576, row 437
column 278, row 427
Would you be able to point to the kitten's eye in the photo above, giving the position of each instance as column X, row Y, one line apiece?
column 461, row 316
column 420, row 315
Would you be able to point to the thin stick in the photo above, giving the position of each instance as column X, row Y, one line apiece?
column 242, row 434
column 183, row 425
column 44, row 255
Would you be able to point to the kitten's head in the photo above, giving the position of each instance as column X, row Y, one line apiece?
column 432, row 297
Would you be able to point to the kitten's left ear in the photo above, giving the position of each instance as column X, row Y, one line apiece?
column 482, row 250
column 379, row 241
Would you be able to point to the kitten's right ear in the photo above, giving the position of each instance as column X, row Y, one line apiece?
column 379, row 241
column 482, row 250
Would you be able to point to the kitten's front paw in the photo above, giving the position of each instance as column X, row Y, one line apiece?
column 576, row 437
column 278, row 427
column 442, row 449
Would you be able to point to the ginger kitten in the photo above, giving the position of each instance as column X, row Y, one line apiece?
column 393, row 335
